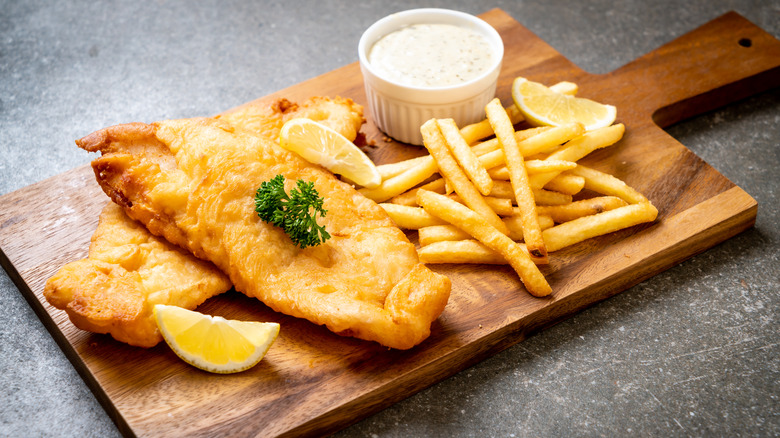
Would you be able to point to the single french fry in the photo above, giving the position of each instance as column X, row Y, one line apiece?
column 539, row 166
column 465, row 156
column 477, row 131
column 503, row 189
column 581, row 146
column 547, row 197
column 492, row 159
column 607, row 184
column 566, row 183
column 409, row 197
column 492, row 145
column 410, row 218
column 518, row 177
column 389, row 170
column 549, row 141
column 449, row 169
column 531, row 142
column 501, row 206
column 401, row 182
column 438, row 233
column 584, row 207
column 534, row 167
column 577, row 230
column 500, row 173
column 515, row 225
column 474, row 224
column 462, row 251
column 588, row 142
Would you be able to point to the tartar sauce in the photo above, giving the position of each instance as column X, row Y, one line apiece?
column 431, row 55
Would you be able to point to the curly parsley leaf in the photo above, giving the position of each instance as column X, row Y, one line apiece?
column 296, row 213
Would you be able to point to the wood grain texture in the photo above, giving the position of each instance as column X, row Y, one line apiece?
column 313, row 382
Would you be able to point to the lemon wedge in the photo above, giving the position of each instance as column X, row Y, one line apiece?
column 544, row 107
column 321, row 145
column 213, row 343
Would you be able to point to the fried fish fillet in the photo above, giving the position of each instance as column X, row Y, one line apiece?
column 192, row 181
column 129, row 270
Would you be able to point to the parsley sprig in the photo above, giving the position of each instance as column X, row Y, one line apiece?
column 295, row 213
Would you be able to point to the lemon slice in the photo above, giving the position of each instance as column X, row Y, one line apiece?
column 321, row 145
column 543, row 106
column 213, row 343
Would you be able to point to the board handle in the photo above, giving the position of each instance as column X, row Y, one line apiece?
column 721, row 62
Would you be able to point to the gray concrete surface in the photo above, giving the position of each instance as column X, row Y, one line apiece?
column 690, row 352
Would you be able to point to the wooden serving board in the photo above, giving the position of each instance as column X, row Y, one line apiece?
column 313, row 382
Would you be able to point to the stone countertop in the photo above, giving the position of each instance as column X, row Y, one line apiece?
column 692, row 351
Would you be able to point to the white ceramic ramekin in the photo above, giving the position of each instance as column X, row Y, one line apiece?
column 399, row 110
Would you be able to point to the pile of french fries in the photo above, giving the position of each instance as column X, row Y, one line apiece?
column 507, row 199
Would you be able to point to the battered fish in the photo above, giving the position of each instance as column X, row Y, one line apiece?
column 129, row 270
column 192, row 181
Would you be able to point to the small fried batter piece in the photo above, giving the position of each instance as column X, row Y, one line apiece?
column 266, row 119
column 127, row 272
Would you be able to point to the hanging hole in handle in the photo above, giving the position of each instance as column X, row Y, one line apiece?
column 745, row 42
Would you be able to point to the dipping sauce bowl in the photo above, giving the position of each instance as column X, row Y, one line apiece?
column 444, row 85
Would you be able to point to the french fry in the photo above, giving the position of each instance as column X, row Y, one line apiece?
column 503, row 189
column 547, row 197
column 518, row 177
column 475, row 225
column 588, row 142
column 462, row 251
column 515, row 225
column 500, row 173
column 449, row 169
column 401, row 182
column 410, row 197
column 410, row 218
column 581, row 146
column 465, row 156
column 566, row 183
column 501, row 206
column 387, row 171
column 438, row 233
column 550, row 140
column 607, row 184
column 584, row 207
column 534, row 167
column 577, row 230
column 530, row 142
column 539, row 166
column 477, row 131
